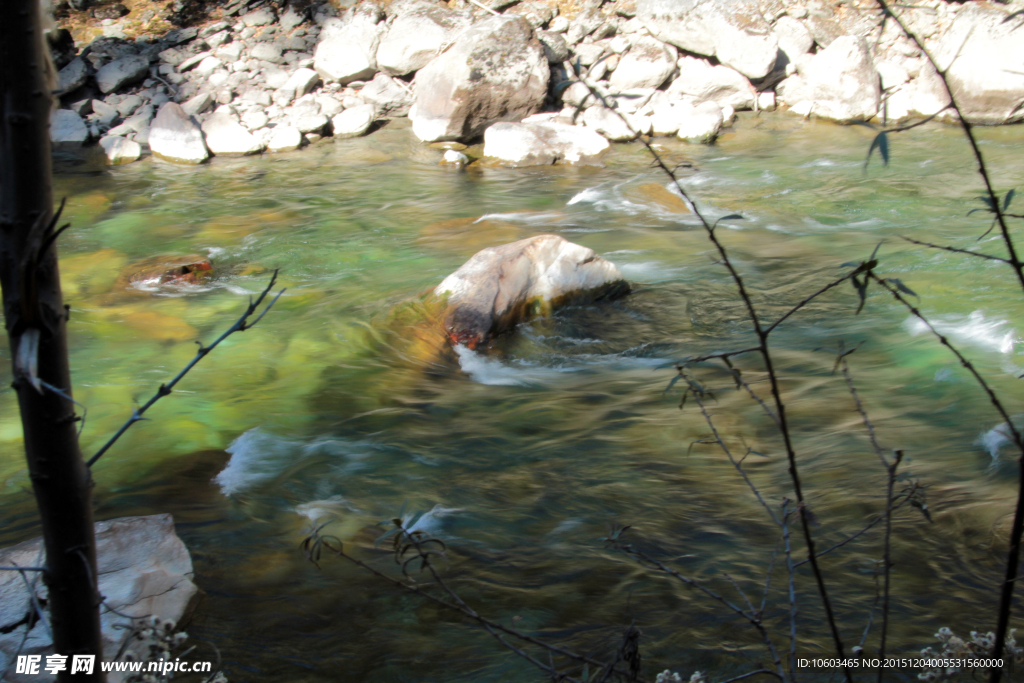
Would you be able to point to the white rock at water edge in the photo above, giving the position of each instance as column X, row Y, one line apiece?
column 225, row 136
column 120, row 150
column 284, row 139
column 175, row 137
column 540, row 144
column 354, row 122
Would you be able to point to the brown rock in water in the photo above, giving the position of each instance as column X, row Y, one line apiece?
column 162, row 270
column 653, row 193
column 501, row 286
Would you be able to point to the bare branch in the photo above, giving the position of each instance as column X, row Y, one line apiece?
column 954, row 250
column 240, row 325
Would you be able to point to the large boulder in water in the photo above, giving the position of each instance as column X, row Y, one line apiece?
column 501, row 286
column 495, row 71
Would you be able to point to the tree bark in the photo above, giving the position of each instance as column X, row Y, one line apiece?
column 35, row 319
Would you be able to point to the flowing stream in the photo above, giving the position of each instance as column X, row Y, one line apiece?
column 339, row 406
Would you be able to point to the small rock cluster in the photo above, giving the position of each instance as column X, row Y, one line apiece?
column 540, row 88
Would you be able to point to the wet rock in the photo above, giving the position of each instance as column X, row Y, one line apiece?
column 225, row 136
column 495, row 71
column 839, row 83
column 121, row 72
column 73, row 75
column 354, row 122
column 390, row 98
column 143, row 569
column 647, row 64
column 416, row 37
column 984, row 54
column 284, row 139
column 541, row 144
column 703, row 82
column 161, row 270
column 67, row 128
column 120, row 150
column 174, row 136
column 347, row 50
column 731, row 30
column 501, row 286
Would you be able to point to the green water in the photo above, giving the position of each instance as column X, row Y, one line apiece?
column 339, row 406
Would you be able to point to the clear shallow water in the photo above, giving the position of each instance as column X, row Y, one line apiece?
column 340, row 404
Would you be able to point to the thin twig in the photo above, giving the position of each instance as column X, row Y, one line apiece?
column 954, row 250
column 792, row 588
column 240, row 325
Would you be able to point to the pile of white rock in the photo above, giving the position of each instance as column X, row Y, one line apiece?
column 538, row 87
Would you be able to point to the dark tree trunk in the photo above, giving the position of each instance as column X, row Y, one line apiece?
column 34, row 310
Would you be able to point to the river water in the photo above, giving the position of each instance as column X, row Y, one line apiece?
column 339, row 406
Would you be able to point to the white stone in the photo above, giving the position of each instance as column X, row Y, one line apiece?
column 72, row 76
column 390, row 97
column 794, row 38
column 268, row 52
column 143, row 569
column 736, row 33
column 284, row 139
column 703, row 82
column 208, row 66
column 174, row 136
column 347, row 50
column 543, row 143
column 226, row 136
column 301, row 82
column 700, row 123
column 260, row 17
column 647, row 64
column 494, row 71
column 231, row 52
column 254, row 120
column 120, row 150
column 416, row 37
column 839, row 83
column 67, row 127
column 309, row 123
column 610, row 124
column 198, row 104
column 354, row 122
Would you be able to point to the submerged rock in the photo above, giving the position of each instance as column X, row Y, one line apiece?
column 162, row 270
column 501, row 286
column 144, row 569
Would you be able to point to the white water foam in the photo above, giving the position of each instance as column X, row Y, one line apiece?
column 258, row 456
column 431, row 521
column 990, row 334
column 995, row 439
column 529, row 217
column 316, row 510
column 492, row 372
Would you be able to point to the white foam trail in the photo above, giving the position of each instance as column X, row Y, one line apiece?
column 994, row 439
column 589, row 195
column 430, row 522
column 316, row 510
column 489, row 371
column 986, row 333
column 521, row 216
column 258, row 456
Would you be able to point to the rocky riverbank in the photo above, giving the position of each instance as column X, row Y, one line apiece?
column 538, row 86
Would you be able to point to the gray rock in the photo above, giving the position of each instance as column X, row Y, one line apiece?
column 198, row 104
column 647, row 64
column 128, row 105
column 543, row 143
column 143, row 569
column 839, row 83
column 208, row 66
column 588, row 53
column 494, row 71
column 983, row 51
column 731, row 30
column 103, row 112
column 193, row 61
column 354, row 122
column 583, row 25
column 347, row 50
column 268, row 52
column 72, row 76
column 416, row 37
column 230, row 52
column 301, row 82
column 120, row 72
column 495, row 289
column 559, row 25
column 217, row 39
column 67, row 127
column 81, row 107
column 260, row 17
column 174, row 136
column 181, row 35
column 284, row 139
column 215, row 27
column 120, row 150
column 390, row 98
column 702, row 82
column 275, row 78
column 225, row 136
column 556, row 49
